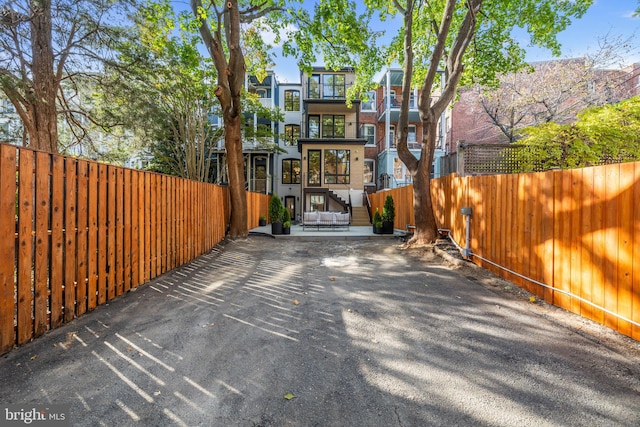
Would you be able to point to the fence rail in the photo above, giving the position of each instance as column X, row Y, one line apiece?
column 576, row 231
column 79, row 233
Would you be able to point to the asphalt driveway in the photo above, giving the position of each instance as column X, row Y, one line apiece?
column 265, row 332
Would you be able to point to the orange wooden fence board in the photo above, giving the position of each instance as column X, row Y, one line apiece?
column 111, row 232
column 7, row 247
column 41, row 275
column 26, row 245
column 119, row 238
column 82, row 235
column 92, row 240
column 635, row 293
column 57, row 272
column 68, row 189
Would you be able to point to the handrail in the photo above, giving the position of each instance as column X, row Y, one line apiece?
column 368, row 203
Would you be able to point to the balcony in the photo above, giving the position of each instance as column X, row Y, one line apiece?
column 389, row 142
column 324, row 91
column 394, row 103
column 346, row 130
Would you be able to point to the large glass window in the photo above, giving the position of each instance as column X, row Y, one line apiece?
column 336, row 166
column 333, row 86
column 369, row 133
column 313, row 167
column 332, row 126
column 317, row 202
column 313, row 88
column 370, row 103
column 291, row 100
column 313, row 130
column 291, row 134
column 291, row 171
column 411, row 137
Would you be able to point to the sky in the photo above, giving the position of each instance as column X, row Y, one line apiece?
column 605, row 17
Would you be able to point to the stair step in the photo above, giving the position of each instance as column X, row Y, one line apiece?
column 359, row 216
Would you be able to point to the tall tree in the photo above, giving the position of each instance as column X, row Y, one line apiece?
column 461, row 42
column 160, row 79
column 219, row 23
column 42, row 44
column 556, row 91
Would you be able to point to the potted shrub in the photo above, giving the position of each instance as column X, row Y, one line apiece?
column 388, row 215
column 377, row 218
column 275, row 214
column 262, row 221
column 377, row 227
column 286, row 221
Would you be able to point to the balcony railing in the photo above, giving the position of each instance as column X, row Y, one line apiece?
column 350, row 130
column 389, row 141
column 326, row 91
column 394, row 103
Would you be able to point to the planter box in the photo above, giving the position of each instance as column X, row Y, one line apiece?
column 387, row 227
column 276, row 228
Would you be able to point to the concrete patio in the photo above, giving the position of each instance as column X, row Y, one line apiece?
column 299, row 232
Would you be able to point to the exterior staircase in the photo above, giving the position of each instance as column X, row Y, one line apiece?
column 359, row 216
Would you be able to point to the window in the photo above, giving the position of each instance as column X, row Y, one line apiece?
column 332, row 126
column 336, row 166
column 313, row 167
column 291, row 100
column 313, row 130
column 313, row 88
column 370, row 103
column 291, row 171
column 333, row 86
column 392, row 99
column 392, row 136
column 412, row 140
column 317, row 202
column 398, row 169
column 369, row 133
column 291, row 134
column 411, row 137
column 369, row 172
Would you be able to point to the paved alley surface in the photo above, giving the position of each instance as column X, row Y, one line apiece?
column 356, row 333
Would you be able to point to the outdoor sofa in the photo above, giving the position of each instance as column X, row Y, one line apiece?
column 321, row 219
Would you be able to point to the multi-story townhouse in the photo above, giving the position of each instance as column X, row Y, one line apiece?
column 287, row 165
column 391, row 172
column 332, row 148
column 258, row 142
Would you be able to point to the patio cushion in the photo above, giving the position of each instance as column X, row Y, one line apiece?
column 310, row 217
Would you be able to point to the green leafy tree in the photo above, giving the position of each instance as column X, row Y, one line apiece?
column 470, row 41
column 606, row 134
column 45, row 45
column 230, row 30
column 555, row 91
column 161, row 89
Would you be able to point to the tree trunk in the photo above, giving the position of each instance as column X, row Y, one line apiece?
column 43, row 135
column 426, row 228
column 235, row 166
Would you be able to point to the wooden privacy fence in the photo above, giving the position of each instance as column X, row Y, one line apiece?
column 257, row 204
column 78, row 233
column 570, row 237
column 402, row 201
